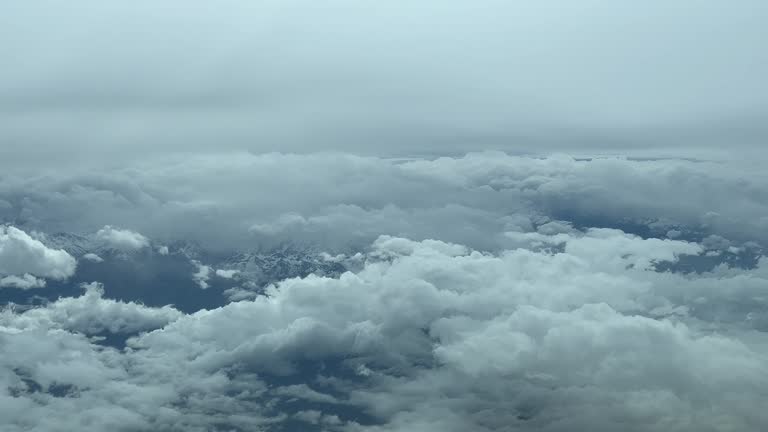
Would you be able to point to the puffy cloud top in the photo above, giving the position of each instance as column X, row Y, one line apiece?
column 25, row 281
column 92, row 314
column 21, row 254
column 426, row 335
column 93, row 257
column 121, row 239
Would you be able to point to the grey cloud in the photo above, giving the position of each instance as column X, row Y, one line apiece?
column 652, row 79
column 339, row 200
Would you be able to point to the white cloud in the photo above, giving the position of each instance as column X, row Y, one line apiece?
column 26, row 281
column 427, row 335
column 121, row 239
column 486, row 305
column 93, row 257
column 226, row 274
column 20, row 254
column 202, row 275
column 92, row 314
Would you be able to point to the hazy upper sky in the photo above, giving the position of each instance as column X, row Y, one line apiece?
column 117, row 79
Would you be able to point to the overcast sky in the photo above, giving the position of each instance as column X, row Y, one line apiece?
column 96, row 80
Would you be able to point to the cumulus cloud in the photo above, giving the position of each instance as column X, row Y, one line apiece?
column 26, row 281
column 490, row 302
column 121, row 239
column 202, row 275
column 427, row 335
column 92, row 314
column 226, row 274
column 93, row 257
column 23, row 256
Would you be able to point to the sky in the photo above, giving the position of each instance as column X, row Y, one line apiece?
column 366, row 216
column 395, row 78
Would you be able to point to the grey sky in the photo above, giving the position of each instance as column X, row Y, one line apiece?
column 682, row 78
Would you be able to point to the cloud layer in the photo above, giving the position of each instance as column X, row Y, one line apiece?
column 346, row 216
column 578, row 330
column 399, row 79
column 337, row 200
